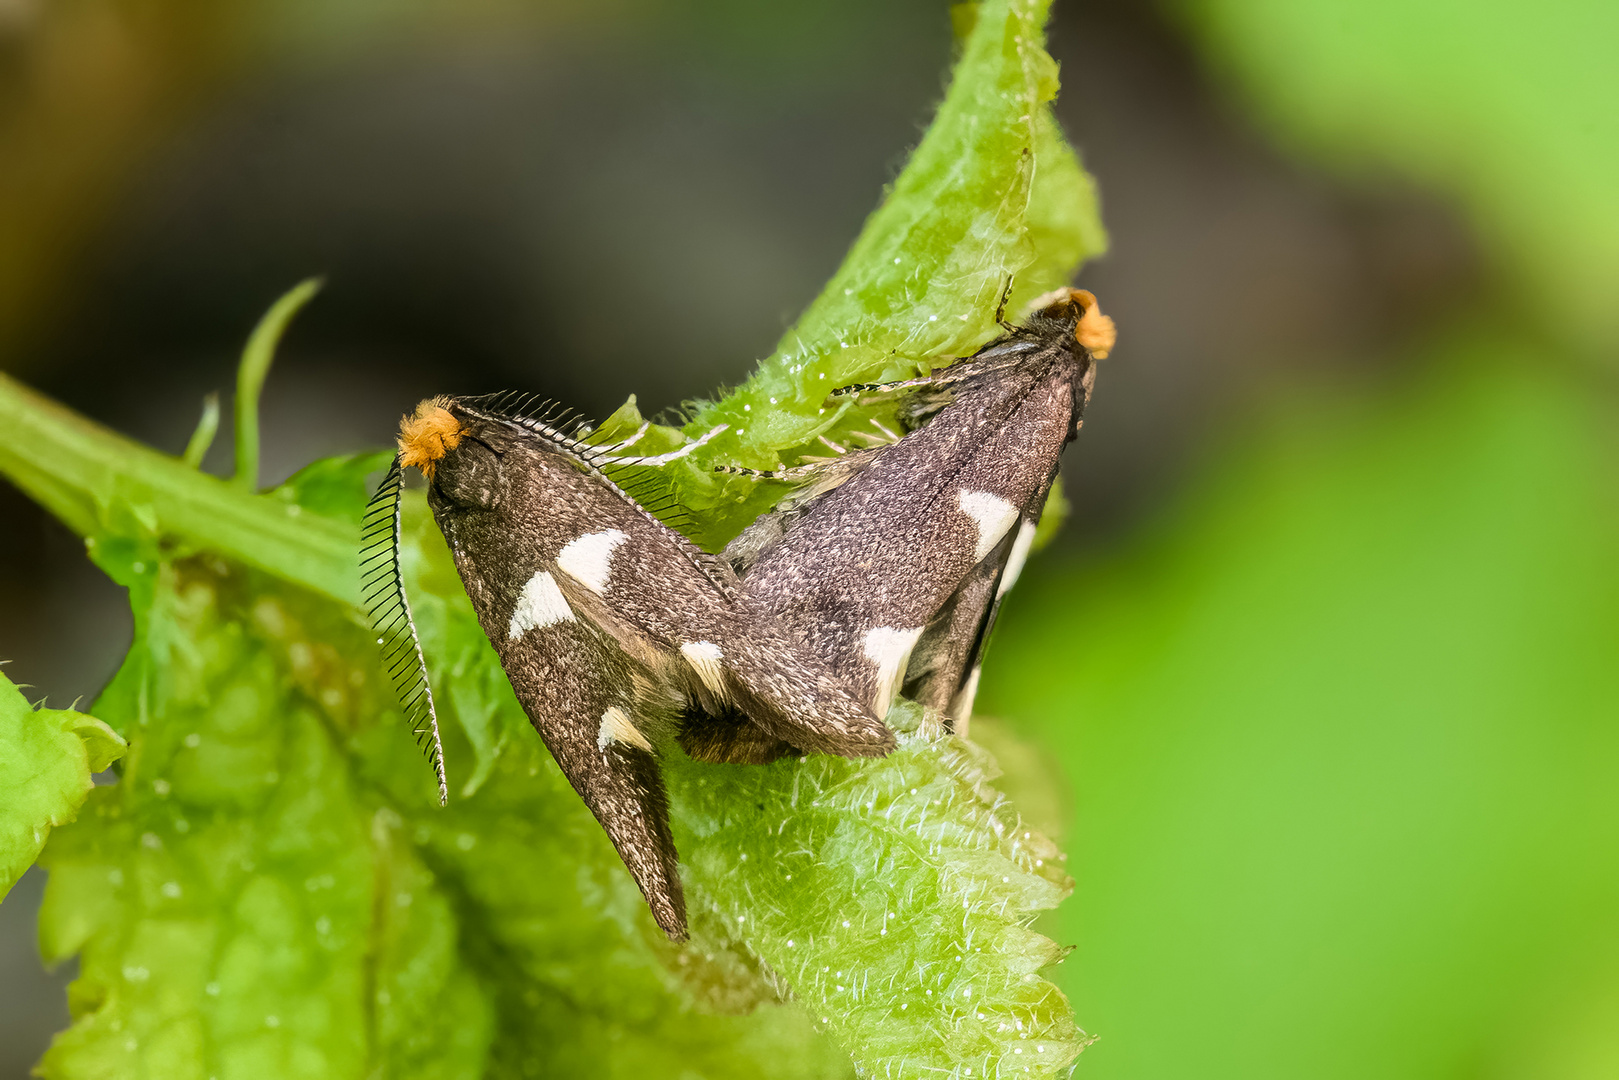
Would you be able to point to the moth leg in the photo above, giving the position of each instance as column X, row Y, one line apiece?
column 888, row 435
column 658, row 459
column 1000, row 308
column 884, row 388
column 959, row 372
column 881, row 437
column 816, row 475
column 792, row 474
column 832, row 446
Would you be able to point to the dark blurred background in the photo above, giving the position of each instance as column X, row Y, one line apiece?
column 598, row 199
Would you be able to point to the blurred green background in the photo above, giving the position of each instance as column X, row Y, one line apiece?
column 1327, row 653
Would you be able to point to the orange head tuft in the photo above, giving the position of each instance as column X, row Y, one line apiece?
column 1095, row 331
column 1092, row 329
column 428, row 435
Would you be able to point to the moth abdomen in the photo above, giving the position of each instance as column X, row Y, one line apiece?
column 729, row 737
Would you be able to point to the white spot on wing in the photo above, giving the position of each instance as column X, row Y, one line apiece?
column 540, row 605
column 588, row 559
column 992, row 514
column 961, row 706
column 1017, row 557
column 890, row 651
column 704, row 658
column 618, row 727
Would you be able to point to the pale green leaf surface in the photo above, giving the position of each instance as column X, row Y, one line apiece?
column 46, row 758
column 895, row 900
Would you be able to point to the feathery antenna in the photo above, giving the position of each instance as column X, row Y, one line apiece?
column 383, row 591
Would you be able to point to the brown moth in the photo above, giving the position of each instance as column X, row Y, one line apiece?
column 892, row 561
column 615, row 631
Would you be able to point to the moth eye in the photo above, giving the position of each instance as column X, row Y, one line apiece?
column 469, row 476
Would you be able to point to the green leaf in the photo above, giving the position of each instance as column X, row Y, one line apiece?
column 894, row 898
column 46, row 758
column 335, row 488
column 225, row 897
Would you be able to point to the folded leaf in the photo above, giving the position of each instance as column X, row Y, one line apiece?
column 46, row 758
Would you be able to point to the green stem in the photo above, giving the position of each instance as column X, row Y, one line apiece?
column 250, row 376
column 79, row 471
column 202, row 438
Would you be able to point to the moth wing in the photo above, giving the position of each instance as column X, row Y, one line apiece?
column 895, row 574
column 795, row 698
column 680, row 620
column 811, row 483
column 943, row 673
column 953, row 644
column 944, row 669
column 578, row 692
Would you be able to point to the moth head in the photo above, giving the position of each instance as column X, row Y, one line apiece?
column 1092, row 329
column 458, row 453
column 428, row 434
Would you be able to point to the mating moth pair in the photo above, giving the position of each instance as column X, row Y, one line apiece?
column 879, row 575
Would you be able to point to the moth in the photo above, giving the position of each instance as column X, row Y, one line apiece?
column 891, row 561
column 614, row 630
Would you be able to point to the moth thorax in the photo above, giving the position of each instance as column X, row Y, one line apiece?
column 427, row 435
column 1092, row 329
